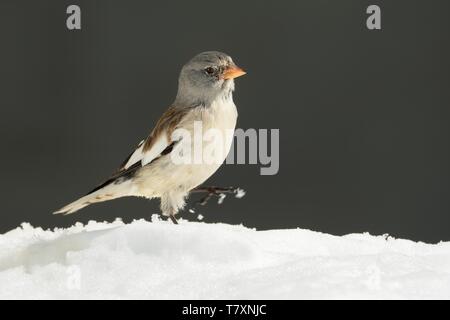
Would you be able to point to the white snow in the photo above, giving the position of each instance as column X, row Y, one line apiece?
column 193, row 260
column 222, row 197
column 240, row 193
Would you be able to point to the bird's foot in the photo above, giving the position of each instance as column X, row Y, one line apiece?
column 216, row 191
column 174, row 220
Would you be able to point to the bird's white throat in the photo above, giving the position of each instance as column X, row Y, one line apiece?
column 209, row 138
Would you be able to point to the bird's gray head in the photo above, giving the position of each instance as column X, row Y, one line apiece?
column 207, row 77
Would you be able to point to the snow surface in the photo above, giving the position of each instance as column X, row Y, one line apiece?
column 193, row 260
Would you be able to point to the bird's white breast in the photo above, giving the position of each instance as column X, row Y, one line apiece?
column 222, row 116
column 217, row 119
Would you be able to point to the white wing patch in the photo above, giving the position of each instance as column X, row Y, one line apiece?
column 158, row 147
column 146, row 157
column 136, row 156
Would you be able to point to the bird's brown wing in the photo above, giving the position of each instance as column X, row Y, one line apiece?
column 157, row 144
column 157, row 141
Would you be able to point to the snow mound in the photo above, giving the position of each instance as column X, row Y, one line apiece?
column 192, row 260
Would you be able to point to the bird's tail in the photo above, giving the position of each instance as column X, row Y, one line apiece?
column 105, row 192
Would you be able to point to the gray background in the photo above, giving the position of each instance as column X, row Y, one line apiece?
column 363, row 115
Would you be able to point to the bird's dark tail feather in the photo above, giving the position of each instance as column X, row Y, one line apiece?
column 119, row 185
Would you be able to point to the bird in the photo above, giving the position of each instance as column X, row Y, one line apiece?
column 205, row 96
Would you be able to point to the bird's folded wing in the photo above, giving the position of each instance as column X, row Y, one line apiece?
column 158, row 141
column 145, row 157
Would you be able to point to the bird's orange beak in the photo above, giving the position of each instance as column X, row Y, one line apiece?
column 233, row 72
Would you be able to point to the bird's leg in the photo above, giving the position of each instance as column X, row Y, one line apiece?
column 174, row 220
column 171, row 203
column 213, row 191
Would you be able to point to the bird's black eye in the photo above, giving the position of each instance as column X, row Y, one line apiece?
column 210, row 70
